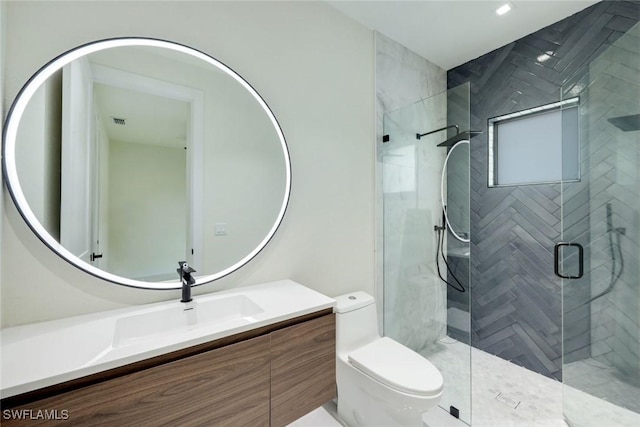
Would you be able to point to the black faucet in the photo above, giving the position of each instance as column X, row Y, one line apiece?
column 186, row 279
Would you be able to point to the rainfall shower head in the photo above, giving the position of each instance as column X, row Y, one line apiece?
column 467, row 134
column 626, row 123
column 459, row 136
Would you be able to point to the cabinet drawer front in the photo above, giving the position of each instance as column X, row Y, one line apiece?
column 303, row 369
column 224, row 387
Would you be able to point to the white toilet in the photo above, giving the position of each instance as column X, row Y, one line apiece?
column 380, row 382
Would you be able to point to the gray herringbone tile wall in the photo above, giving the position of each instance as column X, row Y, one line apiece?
column 516, row 300
column 612, row 159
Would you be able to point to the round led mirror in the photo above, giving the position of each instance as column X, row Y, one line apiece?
column 127, row 155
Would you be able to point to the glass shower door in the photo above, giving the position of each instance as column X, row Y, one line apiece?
column 420, row 310
column 601, row 232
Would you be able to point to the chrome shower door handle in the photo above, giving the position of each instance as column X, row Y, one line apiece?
column 556, row 260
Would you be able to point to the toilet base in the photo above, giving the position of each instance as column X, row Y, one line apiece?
column 364, row 402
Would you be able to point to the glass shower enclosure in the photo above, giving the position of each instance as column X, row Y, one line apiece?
column 426, row 267
column 599, row 253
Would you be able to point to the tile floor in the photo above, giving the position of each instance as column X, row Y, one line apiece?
column 321, row 417
column 507, row 395
column 602, row 381
column 325, row 417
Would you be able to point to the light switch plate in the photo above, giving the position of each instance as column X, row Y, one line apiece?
column 221, row 228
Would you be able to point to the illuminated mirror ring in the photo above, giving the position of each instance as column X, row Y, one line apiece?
column 10, row 172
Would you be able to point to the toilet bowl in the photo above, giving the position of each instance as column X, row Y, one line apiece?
column 380, row 381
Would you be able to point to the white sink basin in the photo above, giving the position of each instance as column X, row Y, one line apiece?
column 47, row 353
column 180, row 317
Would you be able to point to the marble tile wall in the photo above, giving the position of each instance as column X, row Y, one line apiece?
column 414, row 298
column 410, row 299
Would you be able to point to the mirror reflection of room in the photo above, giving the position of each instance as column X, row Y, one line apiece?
column 116, row 174
column 145, row 183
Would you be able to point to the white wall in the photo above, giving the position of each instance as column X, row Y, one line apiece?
column 312, row 65
column 147, row 210
column 2, row 115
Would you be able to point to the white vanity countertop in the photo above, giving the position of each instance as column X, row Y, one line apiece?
column 47, row 353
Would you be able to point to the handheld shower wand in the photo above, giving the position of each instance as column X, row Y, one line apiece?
column 612, row 232
column 440, row 235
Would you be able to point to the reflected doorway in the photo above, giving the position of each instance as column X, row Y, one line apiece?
column 131, row 152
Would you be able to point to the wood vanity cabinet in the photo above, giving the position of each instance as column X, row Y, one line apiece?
column 266, row 377
column 303, row 369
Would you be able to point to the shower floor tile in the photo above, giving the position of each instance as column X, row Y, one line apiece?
column 452, row 359
column 602, row 381
column 505, row 394
column 508, row 395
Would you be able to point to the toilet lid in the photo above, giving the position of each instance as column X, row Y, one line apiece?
column 398, row 367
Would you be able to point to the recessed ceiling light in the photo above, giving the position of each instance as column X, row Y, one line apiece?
column 503, row 9
column 545, row 56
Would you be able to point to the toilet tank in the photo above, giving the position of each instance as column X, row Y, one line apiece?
column 356, row 321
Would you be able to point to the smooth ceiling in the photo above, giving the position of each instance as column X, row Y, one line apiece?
column 149, row 119
column 450, row 33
